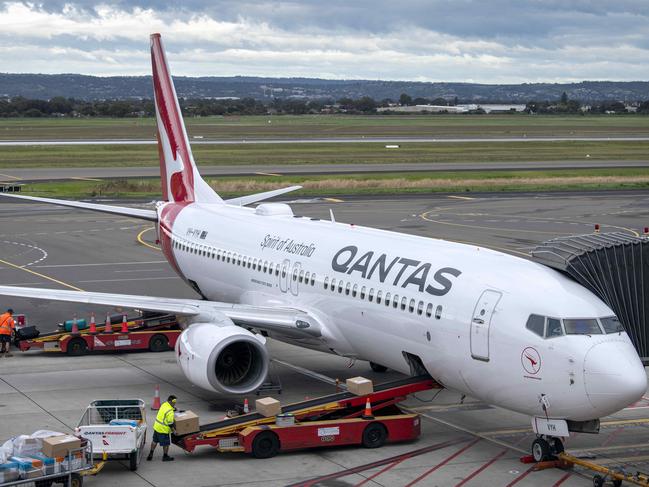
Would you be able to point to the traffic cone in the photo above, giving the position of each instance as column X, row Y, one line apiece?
column 75, row 326
column 108, row 328
column 156, row 398
column 124, row 325
column 93, row 325
column 246, row 408
column 367, row 414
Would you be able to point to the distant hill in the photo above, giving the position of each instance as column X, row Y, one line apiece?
column 45, row 86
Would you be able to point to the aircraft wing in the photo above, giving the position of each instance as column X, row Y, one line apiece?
column 282, row 320
column 116, row 210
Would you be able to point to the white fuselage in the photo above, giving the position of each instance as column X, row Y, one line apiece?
column 461, row 309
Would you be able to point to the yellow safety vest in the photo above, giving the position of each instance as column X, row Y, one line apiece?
column 164, row 419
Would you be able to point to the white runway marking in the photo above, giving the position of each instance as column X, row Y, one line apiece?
column 95, row 264
column 32, row 247
column 132, row 279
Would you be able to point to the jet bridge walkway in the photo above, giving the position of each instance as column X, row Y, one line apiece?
column 614, row 266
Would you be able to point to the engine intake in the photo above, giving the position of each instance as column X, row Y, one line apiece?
column 222, row 357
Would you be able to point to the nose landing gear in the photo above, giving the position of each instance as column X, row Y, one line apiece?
column 546, row 448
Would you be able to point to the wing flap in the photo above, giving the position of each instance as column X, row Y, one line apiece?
column 281, row 320
column 142, row 214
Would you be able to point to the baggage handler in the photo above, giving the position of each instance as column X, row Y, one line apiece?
column 7, row 330
column 164, row 423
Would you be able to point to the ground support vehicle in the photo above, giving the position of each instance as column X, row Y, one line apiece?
column 157, row 334
column 68, row 470
column 338, row 419
column 116, row 428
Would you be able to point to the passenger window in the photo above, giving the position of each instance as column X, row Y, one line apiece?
column 313, row 279
column 333, row 284
column 395, row 302
column 301, row 278
column 411, row 306
column 347, row 288
column 554, row 328
column 536, row 324
column 370, row 296
column 429, row 310
column 326, row 283
column 265, row 266
column 354, row 290
column 340, row 287
column 387, row 299
column 403, row 303
column 420, row 308
column 363, row 292
column 306, row 278
column 582, row 327
column 611, row 324
column 438, row 312
column 295, row 272
column 378, row 297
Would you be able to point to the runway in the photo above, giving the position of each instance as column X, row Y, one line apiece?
column 325, row 140
column 463, row 443
column 26, row 175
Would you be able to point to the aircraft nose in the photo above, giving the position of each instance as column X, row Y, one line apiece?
column 614, row 376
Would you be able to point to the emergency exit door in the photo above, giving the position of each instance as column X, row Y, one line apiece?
column 481, row 323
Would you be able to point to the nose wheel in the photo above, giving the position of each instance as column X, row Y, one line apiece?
column 546, row 448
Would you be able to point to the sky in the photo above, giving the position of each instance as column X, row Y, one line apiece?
column 488, row 41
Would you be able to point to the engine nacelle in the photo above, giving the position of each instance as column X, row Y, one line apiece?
column 222, row 357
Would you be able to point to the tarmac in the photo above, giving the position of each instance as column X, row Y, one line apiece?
column 462, row 443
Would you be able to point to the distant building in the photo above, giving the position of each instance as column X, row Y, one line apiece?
column 488, row 108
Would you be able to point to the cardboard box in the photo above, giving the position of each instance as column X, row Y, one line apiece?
column 360, row 386
column 268, row 406
column 58, row 446
column 186, row 422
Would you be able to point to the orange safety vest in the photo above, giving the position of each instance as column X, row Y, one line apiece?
column 7, row 324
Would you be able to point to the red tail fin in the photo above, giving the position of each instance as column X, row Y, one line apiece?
column 181, row 181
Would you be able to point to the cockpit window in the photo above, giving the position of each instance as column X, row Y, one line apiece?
column 611, row 324
column 536, row 324
column 582, row 327
column 554, row 328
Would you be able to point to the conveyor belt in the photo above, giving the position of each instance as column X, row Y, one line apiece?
column 307, row 404
column 614, row 266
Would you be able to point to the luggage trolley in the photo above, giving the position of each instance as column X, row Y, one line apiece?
column 116, row 428
column 68, row 470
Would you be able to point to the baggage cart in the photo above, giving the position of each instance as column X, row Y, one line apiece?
column 116, row 428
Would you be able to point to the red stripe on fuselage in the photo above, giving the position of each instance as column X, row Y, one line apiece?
column 182, row 182
column 168, row 215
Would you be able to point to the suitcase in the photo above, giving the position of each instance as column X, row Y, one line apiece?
column 27, row 333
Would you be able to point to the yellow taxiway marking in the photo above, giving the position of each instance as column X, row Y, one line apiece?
column 22, row 268
column 268, row 174
column 10, row 176
column 141, row 240
column 85, row 179
column 334, row 200
column 460, row 197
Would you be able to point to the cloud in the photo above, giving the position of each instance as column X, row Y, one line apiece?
column 501, row 41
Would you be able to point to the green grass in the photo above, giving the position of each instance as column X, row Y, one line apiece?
column 315, row 126
column 384, row 183
column 327, row 153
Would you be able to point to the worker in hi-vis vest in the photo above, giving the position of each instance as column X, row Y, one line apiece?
column 7, row 327
column 164, row 422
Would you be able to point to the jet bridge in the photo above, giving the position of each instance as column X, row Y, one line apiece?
column 614, row 266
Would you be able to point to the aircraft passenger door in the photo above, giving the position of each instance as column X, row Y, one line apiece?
column 481, row 322
column 284, row 275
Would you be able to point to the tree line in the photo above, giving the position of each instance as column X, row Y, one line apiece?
column 70, row 107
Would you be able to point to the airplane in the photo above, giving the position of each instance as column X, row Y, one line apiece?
column 505, row 330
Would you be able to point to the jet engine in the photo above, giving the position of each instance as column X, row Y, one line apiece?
column 222, row 357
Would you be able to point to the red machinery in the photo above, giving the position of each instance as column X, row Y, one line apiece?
column 333, row 420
